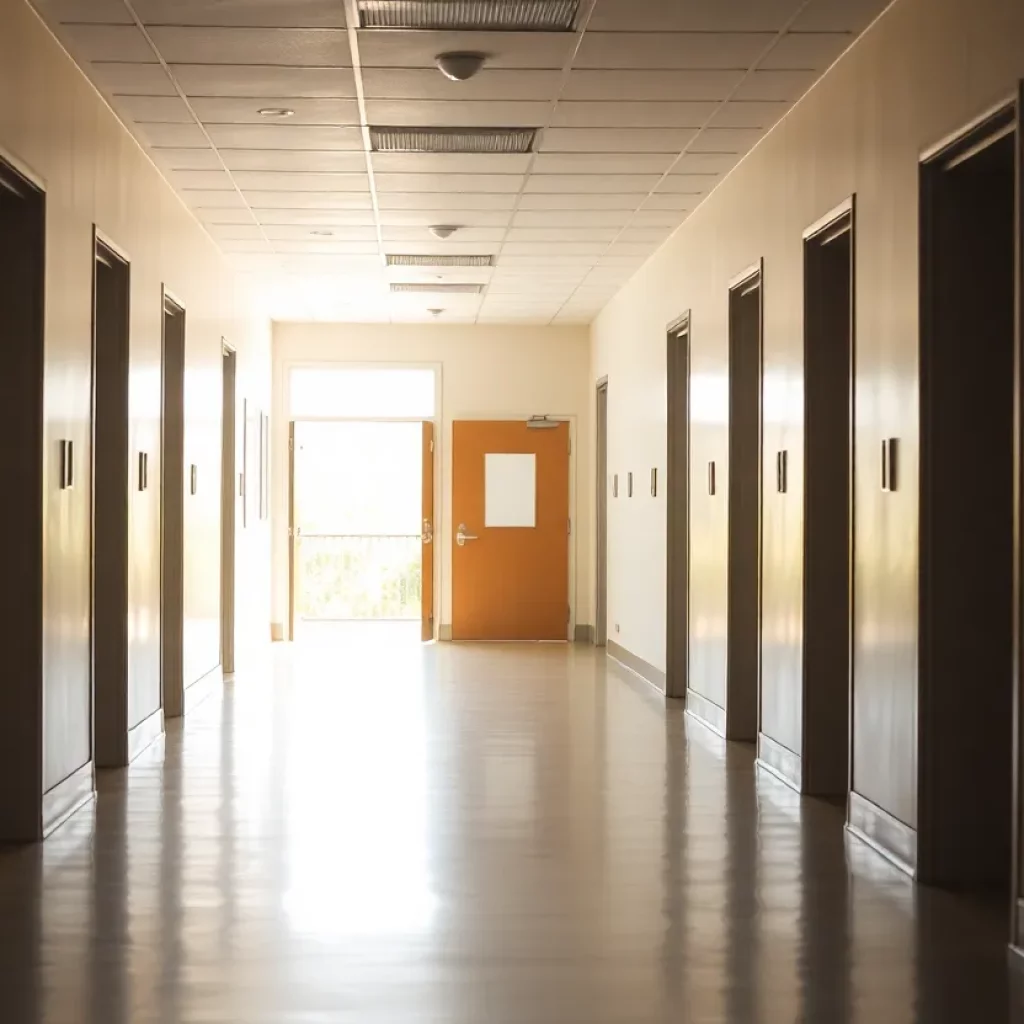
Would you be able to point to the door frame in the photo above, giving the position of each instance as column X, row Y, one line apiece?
column 677, row 366
column 435, row 419
column 229, row 514
column 571, row 538
column 600, row 637
column 967, row 138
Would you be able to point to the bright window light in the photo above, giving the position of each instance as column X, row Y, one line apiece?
column 361, row 393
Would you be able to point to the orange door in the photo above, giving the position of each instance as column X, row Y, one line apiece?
column 427, row 538
column 510, row 520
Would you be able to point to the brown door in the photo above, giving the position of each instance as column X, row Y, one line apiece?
column 427, row 565
column 510, row 519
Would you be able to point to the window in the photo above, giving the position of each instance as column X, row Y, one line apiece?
column 361, row 393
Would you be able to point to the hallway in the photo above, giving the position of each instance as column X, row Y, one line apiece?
column 468, row 834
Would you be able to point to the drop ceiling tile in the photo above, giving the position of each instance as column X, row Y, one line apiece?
column 206, row 180
column 671, row 201
column 602, row 163
column 87, row 12
column 155, row 109
column 688, row 184
column 451, row 163
column 726, row 140
column 425, row 218
column 559, row 263
column 651, row 236
column 316, row 218
column 628, row 250
column 677, row 50
column 633, row 115
column 447, row 201
column 337, row 161
column 603, row 184
column 281, row 136
column 427, row 242
column 264, row 200
column 175, row 136
column 451, row 248
column 651, row 85
column 246, row 245
column 674, row 16
column 584, row 201
column 400, row 49
column 291, row 47
column 244, row 13
column 115, row 77
column 508, row 183
column 749, row 114
column 815, row 50
column 311, row 233
column 706, row 163
column 422, row 84
column 264, row 82
column 775, row 85
column 236, row 232
column 188, row 159
column 326, row 247
column 615, row 140
column 554, row 248
column 458, row 114
column 218, row 216
column 571, row 218
column 552, row 234
column 839, row 15
column 221, row 199
column 310, row 111
column 656, row 219
column 295, row 181
column 122, row 43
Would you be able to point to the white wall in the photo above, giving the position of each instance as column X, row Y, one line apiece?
column 57, row 129
column 492, row 371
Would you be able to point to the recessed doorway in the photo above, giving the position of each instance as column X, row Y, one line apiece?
column 969, row 495
column 677, row 627
column 230, row 492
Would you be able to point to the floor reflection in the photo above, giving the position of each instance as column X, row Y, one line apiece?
column 385, row 832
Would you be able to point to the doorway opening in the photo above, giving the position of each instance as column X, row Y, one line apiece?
column 358, row 530
column 744, row 597
column 968, row 493
column 172, row 519
column 828, row 521
column 230, row 490
column 677, row 631
column 22, row 255
column 601, row 602
column 110, row 485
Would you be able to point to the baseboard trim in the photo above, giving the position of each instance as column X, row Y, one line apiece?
column 643, row 669
column 146, row 732
column 60, row 802
column 584, row 634
column 705, row 711
column 892, row 838
column 444, row 632
column 203, row 687
column 779, row 761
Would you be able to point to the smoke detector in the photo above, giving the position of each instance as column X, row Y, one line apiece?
column 443, row 231
column 459, row 66
column 435, row 313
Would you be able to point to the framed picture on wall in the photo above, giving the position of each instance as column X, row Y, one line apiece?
column 264, row 466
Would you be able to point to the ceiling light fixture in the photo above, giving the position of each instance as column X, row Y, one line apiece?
column 470, row 15
column 276, row 113
column 435, row 312
column 422, row 287
column 443, row 231
column 458, row 66
column 402, row 259
column 405, row 139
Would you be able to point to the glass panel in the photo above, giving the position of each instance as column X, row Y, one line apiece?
column 510, row 490
column 352, row 393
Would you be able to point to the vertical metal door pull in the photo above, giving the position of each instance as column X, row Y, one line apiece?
column 711, row 478
column 782, row 471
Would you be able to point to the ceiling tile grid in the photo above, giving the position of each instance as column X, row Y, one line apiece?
column 259, row 113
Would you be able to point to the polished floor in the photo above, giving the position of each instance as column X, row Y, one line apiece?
column 392, row 833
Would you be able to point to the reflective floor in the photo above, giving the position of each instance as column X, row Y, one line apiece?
column 471, row 835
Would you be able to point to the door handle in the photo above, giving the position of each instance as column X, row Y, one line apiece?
column 461, row 536
column 428, row 532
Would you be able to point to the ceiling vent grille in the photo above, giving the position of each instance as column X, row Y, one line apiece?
column 471, row 15
column 403, row 260
column 452, row 140
column 437, row 289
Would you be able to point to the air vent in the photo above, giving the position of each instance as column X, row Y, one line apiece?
column 401, row 260
column 471, row 15
column 438, row 289
column 452, row 140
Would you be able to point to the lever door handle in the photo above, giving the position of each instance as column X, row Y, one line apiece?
column 461, row 536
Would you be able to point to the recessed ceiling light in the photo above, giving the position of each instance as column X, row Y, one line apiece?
column 417, row 139
column 276, row 113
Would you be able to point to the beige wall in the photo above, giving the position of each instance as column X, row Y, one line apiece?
column 54, row 126
column 486, row 372
column 922, row 71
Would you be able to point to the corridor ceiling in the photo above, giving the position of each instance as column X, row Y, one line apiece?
column 260, row 114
